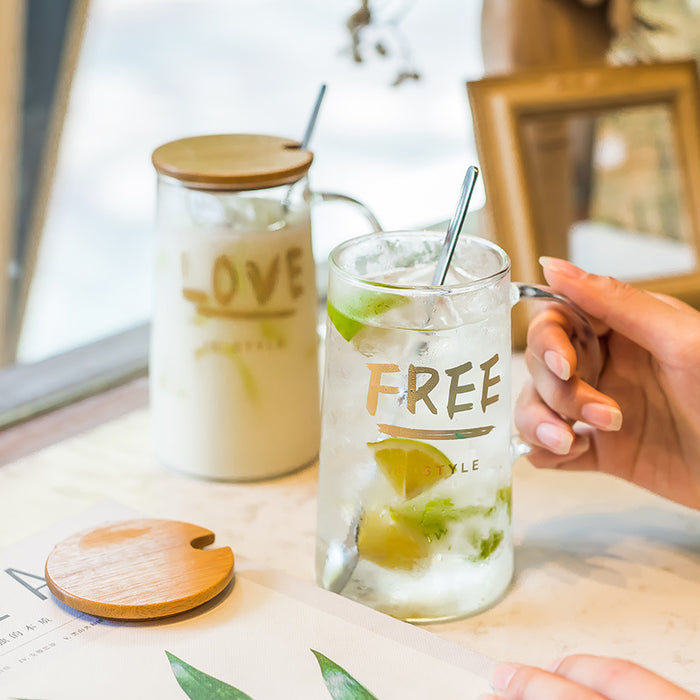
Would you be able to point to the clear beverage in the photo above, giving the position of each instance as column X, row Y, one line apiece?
column 234, row 369
column 414, row 504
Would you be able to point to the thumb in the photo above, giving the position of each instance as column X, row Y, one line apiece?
column 644, row 318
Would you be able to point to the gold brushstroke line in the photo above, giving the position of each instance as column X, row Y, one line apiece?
column 252, row 315
column 420, row 434
column 195, row 295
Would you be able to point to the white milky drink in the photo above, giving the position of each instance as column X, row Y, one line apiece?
column 234, row 359
column 414, row 503
column 234, row 368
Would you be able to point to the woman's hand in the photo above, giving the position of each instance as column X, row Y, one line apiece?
column 643, row 419
column 583, row 677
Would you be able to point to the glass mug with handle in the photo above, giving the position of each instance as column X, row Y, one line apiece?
column 414, row 501
column 234, row 379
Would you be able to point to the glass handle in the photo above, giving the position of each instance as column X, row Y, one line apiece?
column 582, row 335
column 364, row 210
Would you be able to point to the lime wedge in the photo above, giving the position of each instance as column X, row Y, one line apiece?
column 410, row 466
column 346, row 326
column 390, row 544
column 350, row 317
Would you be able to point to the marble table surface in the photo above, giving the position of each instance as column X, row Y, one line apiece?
column 601, row 566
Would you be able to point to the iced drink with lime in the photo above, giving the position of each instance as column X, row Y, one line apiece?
column 414, row 503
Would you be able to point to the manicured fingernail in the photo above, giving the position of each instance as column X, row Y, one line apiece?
column 503, row 674
column 602, row 416
column 552, row 668
column 561, row 267
column 558, row 364
column 555, row 438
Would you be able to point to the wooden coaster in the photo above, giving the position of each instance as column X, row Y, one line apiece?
column 138, row 569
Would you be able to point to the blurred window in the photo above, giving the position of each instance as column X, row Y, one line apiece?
column 150, row 71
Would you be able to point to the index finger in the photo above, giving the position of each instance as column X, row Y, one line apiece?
column 645, row 318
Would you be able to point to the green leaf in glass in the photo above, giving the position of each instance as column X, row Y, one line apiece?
column 200, row 686
column 341, row 685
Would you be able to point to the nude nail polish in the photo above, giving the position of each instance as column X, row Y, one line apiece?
column 558, row 364
column 602, row 416
column 561, row 267
column 555, row 438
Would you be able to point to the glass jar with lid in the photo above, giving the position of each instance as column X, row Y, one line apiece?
column 234, row 376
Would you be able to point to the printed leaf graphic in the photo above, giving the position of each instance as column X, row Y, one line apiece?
column 200, row 686
column 341, row 685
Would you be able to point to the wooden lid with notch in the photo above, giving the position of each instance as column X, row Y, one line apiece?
column 233, row 161
column 138, row 569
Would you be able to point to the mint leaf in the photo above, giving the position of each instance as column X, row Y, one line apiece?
column 200, row 686
column 504, row 496
column 341, row 685
column 433, row 518
column 485, row 546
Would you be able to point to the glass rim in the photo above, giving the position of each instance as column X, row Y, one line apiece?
column 172, row 181
column 418, row 289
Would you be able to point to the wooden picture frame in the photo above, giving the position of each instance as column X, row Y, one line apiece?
column 502, row 105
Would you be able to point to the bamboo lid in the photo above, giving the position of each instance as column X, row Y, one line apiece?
column 138, row 569
column 233, row 161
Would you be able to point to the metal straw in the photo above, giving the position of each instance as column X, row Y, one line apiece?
column 307, row 137
column 455, row 226
column 312, row 119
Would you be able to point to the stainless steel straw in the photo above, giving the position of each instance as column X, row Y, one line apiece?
column 314, row 115
column 306, row 138
column 455, row 226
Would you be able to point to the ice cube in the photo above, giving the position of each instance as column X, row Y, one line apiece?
column 206, row 208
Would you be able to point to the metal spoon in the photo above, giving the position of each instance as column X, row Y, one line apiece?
column 342, row 558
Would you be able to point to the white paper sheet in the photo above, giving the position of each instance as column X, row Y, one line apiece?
column 257, row 636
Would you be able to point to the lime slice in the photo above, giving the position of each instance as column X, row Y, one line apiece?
column 410, row 466
column 350, row 317
column 390, row 544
